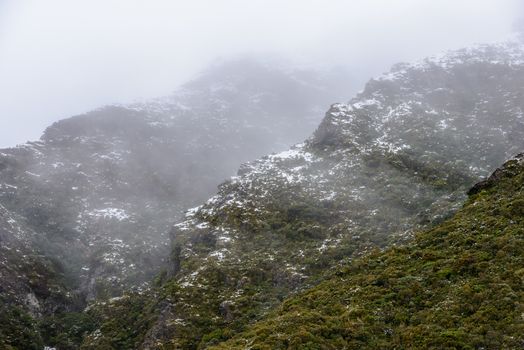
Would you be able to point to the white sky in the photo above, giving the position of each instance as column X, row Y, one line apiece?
column 59, row 58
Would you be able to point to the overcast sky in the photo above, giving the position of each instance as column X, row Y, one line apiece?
column 59, row 58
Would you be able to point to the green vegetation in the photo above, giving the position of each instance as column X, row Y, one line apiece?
column 457, row 286
column 123, row 322
column 66, row 330
column 19, row 330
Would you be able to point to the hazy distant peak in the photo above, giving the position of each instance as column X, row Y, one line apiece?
column 247, row 82
column 260, row 71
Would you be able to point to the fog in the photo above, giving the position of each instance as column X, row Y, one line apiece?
column 59, row 58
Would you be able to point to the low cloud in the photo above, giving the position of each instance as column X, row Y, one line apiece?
column 59, row 58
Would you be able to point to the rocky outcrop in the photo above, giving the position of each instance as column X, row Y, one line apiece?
column 508, row 169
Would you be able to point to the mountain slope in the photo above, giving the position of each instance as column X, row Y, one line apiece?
column 32, row 285
column 457, row 286
column 92, row 203
column 397, row 158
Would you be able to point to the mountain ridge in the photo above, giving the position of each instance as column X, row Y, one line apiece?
column 396, row 159
column 97, row 194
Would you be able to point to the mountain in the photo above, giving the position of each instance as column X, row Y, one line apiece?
column 457, row 286
column 397, row 159
column 86, row 211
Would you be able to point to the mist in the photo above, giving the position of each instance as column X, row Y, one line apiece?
column 176, row 174
column 60, row 58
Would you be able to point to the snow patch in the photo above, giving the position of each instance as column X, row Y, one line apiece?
column 110, row 213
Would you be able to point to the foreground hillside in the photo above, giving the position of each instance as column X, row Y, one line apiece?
column 398, row 158
column 457, row 286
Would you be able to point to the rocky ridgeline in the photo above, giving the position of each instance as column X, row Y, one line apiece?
column 399, row 157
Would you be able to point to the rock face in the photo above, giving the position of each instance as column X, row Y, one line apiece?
column 93, row 201
column 498, row 174
column 397, row 158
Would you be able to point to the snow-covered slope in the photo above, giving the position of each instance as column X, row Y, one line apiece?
column 397, row 158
